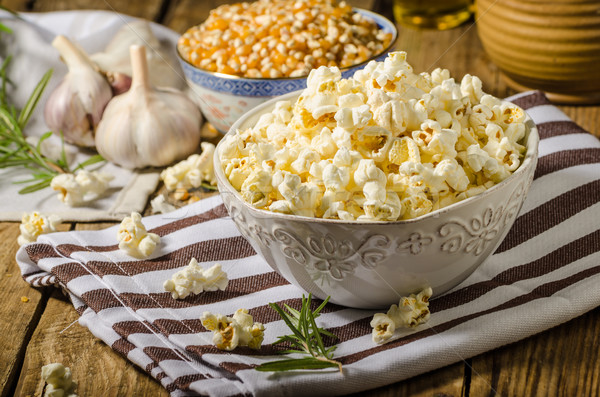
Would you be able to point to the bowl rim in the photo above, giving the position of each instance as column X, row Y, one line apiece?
column 373, row 15
column 529, row 160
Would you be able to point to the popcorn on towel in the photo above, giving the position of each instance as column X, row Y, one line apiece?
column 231, row 332
column 194, row 279
column 134, row 239
column 411, row 311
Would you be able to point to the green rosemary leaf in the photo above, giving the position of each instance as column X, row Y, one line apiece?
column 36, row 176
column 9, row 122
column 293, row 311
column 47, row 135
column 13, row 163
column 317, row 311
column 92, row 160
column 5, row 28
column 288, row 351
column 33, row 99
column 316, row 332
column 34, row 188
column 286, row 319
column 3, row 100
column 327, row 333
column 208, row 186
column 295, row 364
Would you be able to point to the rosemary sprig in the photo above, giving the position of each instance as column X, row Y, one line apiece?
column 306, row 339
column 14, row 148
column 5, row 28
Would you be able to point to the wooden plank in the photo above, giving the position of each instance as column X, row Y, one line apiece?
column 150, row 9
column 587, row 117
column 447, row 381
column 97, row 369
column 18, row 318
column 16, row 5
column 184, row 14
column 562, row 361
column 187, row 13
column 95, row 366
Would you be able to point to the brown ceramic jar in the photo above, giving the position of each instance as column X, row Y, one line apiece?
column 552, row 45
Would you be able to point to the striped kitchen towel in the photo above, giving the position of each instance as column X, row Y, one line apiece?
column 546, row 272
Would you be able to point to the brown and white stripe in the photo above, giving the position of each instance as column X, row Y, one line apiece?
column 544, row 273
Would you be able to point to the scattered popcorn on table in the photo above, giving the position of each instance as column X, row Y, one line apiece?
column 24, row 299
column 410, row 312
column 384, row 145
column 194, row 279
column 34, row 224
column 134, row 239
column 191, row 173
column 81, row 187
column 59, row 382
column 231, row 332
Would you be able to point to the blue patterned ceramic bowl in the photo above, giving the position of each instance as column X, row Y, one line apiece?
column 225, row 98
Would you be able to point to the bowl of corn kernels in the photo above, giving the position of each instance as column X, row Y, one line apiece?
column 244, row 54
column 379, row 185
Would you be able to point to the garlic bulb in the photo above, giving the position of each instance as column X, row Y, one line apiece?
column 148, row 126
column 164, row 69
column 76, row 104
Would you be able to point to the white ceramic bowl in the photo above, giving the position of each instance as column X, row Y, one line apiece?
column 225, row 98
column 372, row 264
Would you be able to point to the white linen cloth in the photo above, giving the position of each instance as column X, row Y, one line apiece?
column 32, row 56
column 546, row 272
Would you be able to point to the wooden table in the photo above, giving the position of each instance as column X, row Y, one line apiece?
column 562, row 361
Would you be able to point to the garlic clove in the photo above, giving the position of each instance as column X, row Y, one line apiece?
column 119, row 82
column 148, row 126
column 76, row 104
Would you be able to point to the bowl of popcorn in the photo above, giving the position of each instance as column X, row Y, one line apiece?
column 244, row 54
column 373, row 187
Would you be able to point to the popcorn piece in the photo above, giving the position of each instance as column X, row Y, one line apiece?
column 383, row 327
column 33, row 224
column 76, row 189
column 93, row 182
column 231, row 332
column 134, row 239
column 70, row 192
column 301, row 198
column 411, row 311
column 194, row 279
column 453, row 174
column 191, row 172
column 160, row 205
column 59, row 381
column 385, row 144
column 257, row 187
